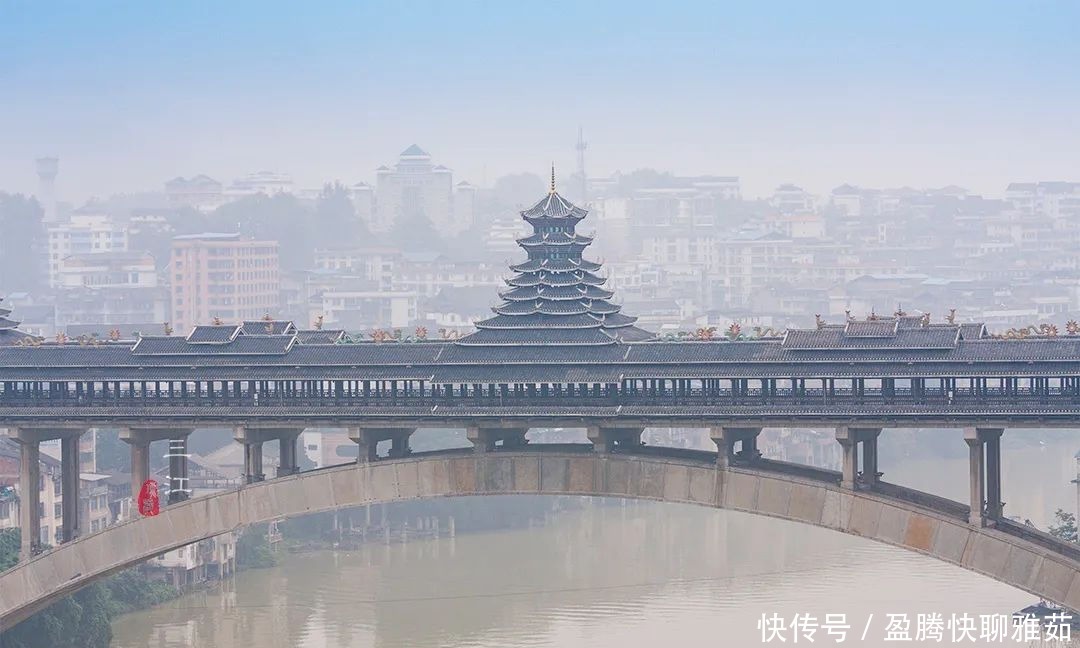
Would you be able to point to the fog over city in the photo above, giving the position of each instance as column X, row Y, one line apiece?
column 912, row 94
column 283, row 286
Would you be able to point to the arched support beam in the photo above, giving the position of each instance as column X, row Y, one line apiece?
column 1036, row 568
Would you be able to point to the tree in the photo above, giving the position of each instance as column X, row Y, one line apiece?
column 336, row 221
column 1064, row 526
column 280, row 218
column 22, row 241
column 414, row 232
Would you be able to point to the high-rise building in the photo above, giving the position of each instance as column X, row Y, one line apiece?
column 222, row 276
column 413, row 190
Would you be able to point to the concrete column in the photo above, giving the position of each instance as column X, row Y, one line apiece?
column 607, row 439
column 29, row 497
column 849, row 444
column 976, row 475
column 253, row 462
column 179, row 488
column 69, row 487
column 140, row 465
column 727, row 439
column 600, row 438
column 483, row 439
column 724, row 438
column 287, row 464
column 252, row 440
column 140, row 440
column 749, row 438
column 869, row 440
column 514, row 438
column 399, row 445
column 992, row 440
column 368, row 443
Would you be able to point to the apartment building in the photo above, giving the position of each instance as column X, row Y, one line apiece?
column 222, row 276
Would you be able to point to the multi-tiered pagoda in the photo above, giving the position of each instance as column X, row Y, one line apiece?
column 9, row 333
column 556, row 297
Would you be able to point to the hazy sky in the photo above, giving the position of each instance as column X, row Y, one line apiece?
column 817, row 93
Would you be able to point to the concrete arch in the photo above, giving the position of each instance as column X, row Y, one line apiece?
column 33, row 585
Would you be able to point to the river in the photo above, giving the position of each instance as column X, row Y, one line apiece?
column 606, row 576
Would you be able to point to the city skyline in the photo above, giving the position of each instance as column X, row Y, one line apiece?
column 919, row 95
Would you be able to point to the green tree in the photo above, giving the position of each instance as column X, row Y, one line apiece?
column 1064, row 526
column 280, row 218
column 9, row 548
column 336, row 221
column 113, row 455
column 415, row 233
column 22, row 240
column 253, row 549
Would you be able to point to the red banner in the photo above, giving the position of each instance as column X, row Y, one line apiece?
column 148, row 499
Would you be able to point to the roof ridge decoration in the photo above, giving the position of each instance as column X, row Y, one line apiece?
column 552, row 290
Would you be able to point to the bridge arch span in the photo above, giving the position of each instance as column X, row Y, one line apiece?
column 31, row 586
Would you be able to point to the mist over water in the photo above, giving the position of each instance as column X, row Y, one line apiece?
column 614, row 575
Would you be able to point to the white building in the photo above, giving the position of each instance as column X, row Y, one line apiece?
column 261, row 182
column 88, row 232
column 201, row 192
column 110, row 288
column 1053, row 200
column 415, row 189
column 364, row 309
column 374, row 264
column 108, row 270
column 790, row 199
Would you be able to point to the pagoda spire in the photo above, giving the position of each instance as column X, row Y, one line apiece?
column 555, row 297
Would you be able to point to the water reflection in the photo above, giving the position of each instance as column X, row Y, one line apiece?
column 636, row 575
column 606, row 576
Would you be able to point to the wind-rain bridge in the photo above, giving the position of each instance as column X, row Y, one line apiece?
column 556, row 353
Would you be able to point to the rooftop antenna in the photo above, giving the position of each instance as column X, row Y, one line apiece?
column 552, row 177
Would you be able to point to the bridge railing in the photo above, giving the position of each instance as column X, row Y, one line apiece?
column 607, row 398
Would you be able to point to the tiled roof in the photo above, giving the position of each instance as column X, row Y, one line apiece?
column 555, row 298
column 516, row 352
column 537, row 336
column 216, row 334
column 904, row 338
column 241, row 345
column 553, row 206
column 320, row 336
column 268, row 327
column 870, row 329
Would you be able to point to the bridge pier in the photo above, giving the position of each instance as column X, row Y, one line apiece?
column 984, row 475
column 364, row 438
column 253, row 439
column 287, row 455
column 69, row 486
column 139, row 440
column 29, row 441
column 368, row 439
column 178, row 467
column 487, row 439
column 29, row 496
column 850, row 438
column 725, row 439
column 608, row 439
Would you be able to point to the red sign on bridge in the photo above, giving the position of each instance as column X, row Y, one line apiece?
column 149, row 505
